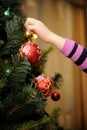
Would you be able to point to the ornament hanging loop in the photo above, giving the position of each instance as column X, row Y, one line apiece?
column 30, row 36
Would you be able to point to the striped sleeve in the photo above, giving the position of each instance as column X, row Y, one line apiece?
column 76, row 53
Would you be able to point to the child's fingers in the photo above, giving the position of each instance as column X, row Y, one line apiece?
column 27, row 24
column 31, row 21
column 31, row 29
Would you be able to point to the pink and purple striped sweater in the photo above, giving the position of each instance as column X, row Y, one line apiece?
column 76, row 53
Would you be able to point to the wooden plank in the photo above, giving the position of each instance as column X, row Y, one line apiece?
column 79, row 2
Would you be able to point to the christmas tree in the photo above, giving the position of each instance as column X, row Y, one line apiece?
column 23, row 87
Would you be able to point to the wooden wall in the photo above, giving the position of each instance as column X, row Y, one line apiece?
column 78, row 2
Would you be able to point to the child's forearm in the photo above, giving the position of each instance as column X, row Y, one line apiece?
column 56, row 40
column 70, row 49
column 76, row 52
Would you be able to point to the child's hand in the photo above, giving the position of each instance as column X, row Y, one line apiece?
column 36, row 26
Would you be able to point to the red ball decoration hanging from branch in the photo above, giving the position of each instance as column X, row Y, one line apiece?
column 44, row 84
column 31, row 51
column 55, row 96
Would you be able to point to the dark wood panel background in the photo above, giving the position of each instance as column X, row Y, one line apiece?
column 79, row 2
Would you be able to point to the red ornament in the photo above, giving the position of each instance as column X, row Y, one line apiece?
column 55, row 96
column 45, row 84
column 31, row 51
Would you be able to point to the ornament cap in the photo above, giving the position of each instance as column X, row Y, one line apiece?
column 30, row 36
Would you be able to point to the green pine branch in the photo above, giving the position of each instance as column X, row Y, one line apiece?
column 58, row 80
column 38, row 69
column 25, row 105
column 45, row 123
column 21, row 68
column 15, row 35
column 30, row 125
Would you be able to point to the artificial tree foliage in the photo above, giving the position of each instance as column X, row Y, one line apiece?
column 22, row 107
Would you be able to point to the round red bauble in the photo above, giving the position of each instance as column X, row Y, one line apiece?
column 55, row 96
column 44, row 84
column 31, row 51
